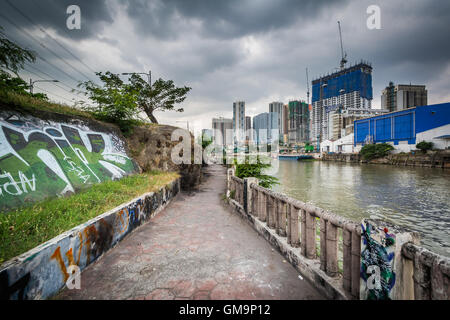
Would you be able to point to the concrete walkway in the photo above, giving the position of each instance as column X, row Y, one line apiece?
column 194, row 249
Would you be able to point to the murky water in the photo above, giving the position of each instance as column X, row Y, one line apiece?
column 417, row 198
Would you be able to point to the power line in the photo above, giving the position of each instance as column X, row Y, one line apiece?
column 53, row 94
column 62, row 46
column 27, row 34
column 48, row 75
column 46, row 33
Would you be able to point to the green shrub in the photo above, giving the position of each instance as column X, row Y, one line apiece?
column 373, row 151
column 424, row 146
column 254, row 170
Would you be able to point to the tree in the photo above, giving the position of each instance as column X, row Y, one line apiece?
column 116, row 100
column 424, row 146
column 12, row 59
column 254, row 170
column 12, row 56
column 160, row 96
column 373, row 151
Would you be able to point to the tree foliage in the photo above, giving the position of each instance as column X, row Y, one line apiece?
column 424, row 146
column 12, row 59
column 12, row 56
column 116, row 100
column 160, row 96
column 255, row 170
column 373, row 151
column 121, row 103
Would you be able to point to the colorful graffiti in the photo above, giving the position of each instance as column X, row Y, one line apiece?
column 377, row 260
column 43, row 271
column 40, row 159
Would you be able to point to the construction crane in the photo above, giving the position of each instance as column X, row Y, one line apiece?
column 344, row 55
column 307, row 83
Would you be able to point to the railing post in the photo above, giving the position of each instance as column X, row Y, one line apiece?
column 282, row 207
column 270, row 215
column 262, row 206
column 294, row 234
column 332, row 248
column 230, row 173
column 323, row 244
column 310, row 234
column 248, row 194
column 356, row 262
column 347, row 257
column 276, row 214
column 303, row 232
column 422, row 281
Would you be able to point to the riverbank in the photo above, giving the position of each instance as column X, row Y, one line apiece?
column 431, row 159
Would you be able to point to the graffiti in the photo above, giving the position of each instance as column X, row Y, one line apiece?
column 377, row 258
column 40, row 159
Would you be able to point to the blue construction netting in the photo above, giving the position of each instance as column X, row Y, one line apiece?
column 356, row 80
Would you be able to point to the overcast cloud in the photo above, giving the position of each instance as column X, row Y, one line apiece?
column 255, row 51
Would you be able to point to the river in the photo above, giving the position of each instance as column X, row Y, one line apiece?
column 416, row 198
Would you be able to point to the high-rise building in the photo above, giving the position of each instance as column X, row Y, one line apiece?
column 299, row 119
column 260, row 127
column 239, row 121
column 347, row 91
column 248, row 129
column 222, row 131
column 286, row 123
column 276, row 110
column 403, row 96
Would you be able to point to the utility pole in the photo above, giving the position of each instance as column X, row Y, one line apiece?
column 33, row 82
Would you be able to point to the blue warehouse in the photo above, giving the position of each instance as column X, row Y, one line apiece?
column 404, row 129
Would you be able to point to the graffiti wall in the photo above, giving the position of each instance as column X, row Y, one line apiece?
column 377, row 262
column 44, row 270
column 41, row 159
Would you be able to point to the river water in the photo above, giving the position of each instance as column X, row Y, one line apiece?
column 416, row 198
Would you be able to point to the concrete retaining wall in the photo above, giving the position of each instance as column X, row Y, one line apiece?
column 43, row 271
column 432, row 159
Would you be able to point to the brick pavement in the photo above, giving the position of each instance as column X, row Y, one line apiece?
column 194, row 249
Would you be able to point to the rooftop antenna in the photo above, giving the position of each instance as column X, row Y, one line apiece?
column 344, row 56
column 307, row 83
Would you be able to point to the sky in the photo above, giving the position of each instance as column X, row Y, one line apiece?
column 251, row 50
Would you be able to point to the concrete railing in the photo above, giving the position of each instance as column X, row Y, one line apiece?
column 329, row 246
column 431, row 273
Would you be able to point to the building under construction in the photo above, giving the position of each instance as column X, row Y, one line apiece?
column 340, row 98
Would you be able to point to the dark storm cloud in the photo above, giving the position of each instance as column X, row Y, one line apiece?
column 244, row 49
column 222, row 19
column 52, row 14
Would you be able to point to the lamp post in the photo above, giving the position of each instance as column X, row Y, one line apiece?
column 149, row 75
column 33, row 82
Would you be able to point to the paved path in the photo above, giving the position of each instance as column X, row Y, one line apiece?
column 194, row 249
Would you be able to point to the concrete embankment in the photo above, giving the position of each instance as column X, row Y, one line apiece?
column 431, row 159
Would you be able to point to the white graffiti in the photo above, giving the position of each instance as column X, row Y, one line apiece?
column 27, row 184
column 61, row 135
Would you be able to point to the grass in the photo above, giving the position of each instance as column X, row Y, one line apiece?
column 26, row 103
column 28, row 227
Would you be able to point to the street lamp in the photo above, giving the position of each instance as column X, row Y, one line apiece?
column 33, row 82
column 149, row 75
